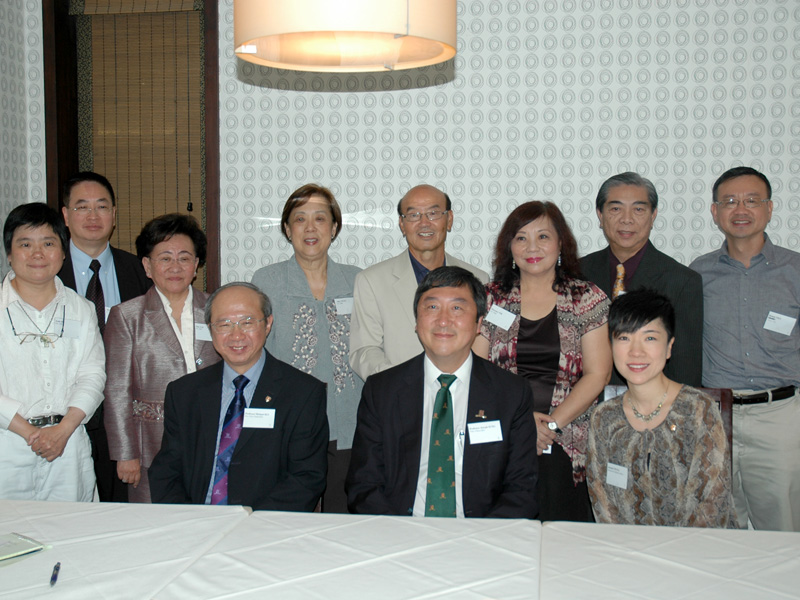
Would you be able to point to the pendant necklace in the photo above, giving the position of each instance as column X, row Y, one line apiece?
column 653, row 414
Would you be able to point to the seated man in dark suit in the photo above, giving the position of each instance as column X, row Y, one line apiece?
column 250, row 430
column 446, row 433
column 627, row 206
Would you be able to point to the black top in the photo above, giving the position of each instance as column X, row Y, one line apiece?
column 538, row 352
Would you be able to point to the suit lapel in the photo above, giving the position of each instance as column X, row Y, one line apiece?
column 208, row 407
column 405, row 285
column 157, row 314
column 481, row 407
column 648, row 273
column 198, row 312
column 67, row 273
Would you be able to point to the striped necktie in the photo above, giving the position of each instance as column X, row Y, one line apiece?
column 231, row 429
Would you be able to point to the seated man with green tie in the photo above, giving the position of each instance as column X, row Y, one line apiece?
column 446, row 433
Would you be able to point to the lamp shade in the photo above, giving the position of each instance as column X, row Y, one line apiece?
column 344, row 35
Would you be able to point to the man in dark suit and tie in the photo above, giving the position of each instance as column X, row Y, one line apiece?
column 627, row 205
column 446, row 433
column 250, row 430
column 106, row 276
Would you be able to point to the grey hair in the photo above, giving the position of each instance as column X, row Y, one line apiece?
column 627, row 178
column 266, row 305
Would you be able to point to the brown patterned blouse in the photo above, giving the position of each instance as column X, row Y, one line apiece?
column 677, row 474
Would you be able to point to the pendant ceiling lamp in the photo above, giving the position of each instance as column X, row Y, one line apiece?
column 344, row 36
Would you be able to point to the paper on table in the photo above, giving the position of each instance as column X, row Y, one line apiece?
column 14, row 544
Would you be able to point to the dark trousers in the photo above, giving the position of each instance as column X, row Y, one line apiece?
column 559, row 498
column 109, row 487
column 334, row 500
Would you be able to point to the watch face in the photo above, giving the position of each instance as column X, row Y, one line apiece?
column 552, row 425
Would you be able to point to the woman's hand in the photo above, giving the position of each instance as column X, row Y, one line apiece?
column 544, row 435
column 130, row 471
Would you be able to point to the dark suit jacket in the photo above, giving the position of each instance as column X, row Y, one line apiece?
column 682, row 286
column 499, row 478
column 131, row 278
column 283, row 468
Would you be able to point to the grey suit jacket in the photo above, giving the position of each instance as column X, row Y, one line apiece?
column 143, row 355
column 383, row 328
column 682, row 286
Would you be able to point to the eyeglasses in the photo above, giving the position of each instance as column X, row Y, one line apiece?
column 47, row 339
column 431, row 215
column 85, row 209
column 729, row 203
column 226, row 326
column 166, row 261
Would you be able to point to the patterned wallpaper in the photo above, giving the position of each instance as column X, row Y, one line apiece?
column 544, row 100
column 22, row 150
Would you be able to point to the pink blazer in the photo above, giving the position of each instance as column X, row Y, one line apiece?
column 143, row 355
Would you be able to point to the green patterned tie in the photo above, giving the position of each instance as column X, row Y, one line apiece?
column 440, row 497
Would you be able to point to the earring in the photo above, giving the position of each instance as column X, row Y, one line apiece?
column 513, row 264
column 559, row 260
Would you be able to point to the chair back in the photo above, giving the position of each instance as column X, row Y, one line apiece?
column 724, row 399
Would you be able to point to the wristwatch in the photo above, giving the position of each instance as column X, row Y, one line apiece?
column 553, row 426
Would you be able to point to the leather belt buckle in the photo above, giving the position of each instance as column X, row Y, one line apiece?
column 45, row 420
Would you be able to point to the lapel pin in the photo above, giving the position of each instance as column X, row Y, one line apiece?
column 480, row 415
column 268, row 399
column 199, row 362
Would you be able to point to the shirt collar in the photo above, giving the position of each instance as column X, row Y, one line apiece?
column 253, row 373
column 420, row 270
column 767, row 253
column 81, row 260
column 432, row 372
column 9, row 295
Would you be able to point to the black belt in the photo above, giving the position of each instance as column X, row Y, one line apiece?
column 777, row 394
column 47, row 420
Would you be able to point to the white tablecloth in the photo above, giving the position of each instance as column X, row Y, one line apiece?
column 110, row 551
column 319, row 556
column 624, row 562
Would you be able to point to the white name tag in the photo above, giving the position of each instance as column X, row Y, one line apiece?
column 201, row 332
column 344, row 306
column 259, row 418
column 483, row 433
column 501, row 317
column 72, row 328
column 779, row 323
column 617, row 476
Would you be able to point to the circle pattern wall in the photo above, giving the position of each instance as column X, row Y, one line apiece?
column 544, row 100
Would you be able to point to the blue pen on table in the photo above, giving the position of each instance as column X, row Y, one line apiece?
column 54, row 576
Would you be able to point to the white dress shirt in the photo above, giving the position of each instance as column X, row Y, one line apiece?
column 185, row 334
column 459, row 390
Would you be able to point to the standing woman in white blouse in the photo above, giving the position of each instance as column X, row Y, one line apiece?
column 152, row 340
column 51, row 366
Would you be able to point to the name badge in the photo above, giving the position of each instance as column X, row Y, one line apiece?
column 259, row 418
column 617, row 476
column 501, row 317
column 72, row 328
column 344, row 306
column 201, row 332
column 484, row 433
column 779, row 323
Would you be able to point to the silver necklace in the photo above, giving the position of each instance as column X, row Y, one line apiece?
column 653, row 414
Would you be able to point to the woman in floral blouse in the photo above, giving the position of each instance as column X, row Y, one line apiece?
column 312, row 298
column 549, row 326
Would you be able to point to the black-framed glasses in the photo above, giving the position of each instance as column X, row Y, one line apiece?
column 431, row 215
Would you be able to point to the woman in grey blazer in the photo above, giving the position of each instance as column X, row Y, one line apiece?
column 312, row 299
column 151, row 341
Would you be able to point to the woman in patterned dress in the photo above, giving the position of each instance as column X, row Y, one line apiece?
column 658, row 454
column 549, row 326
column 312, row 299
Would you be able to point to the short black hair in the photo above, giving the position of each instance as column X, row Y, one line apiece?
column 633, row 310
column 453, row 277
column 82, row 177
column 627, row 178
column 447, row 203
column 740, row 172
column 35, row 214
column 266, row 305
column 164, row 227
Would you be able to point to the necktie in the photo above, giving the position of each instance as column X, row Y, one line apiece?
column 619, row 282
column 440, row 496
column 94, row 294
column 231, row 429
